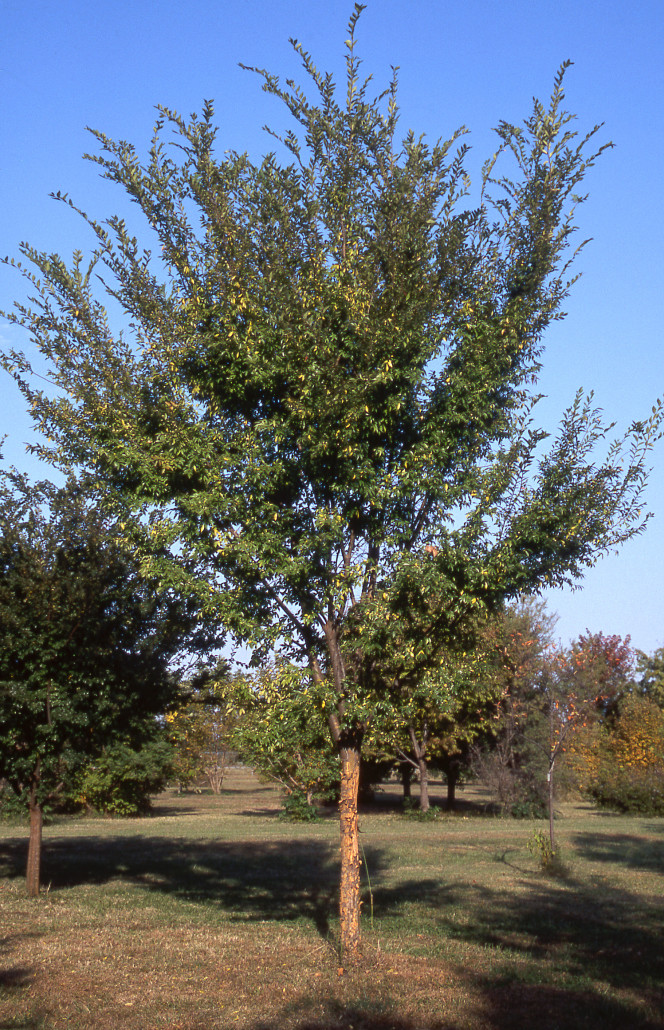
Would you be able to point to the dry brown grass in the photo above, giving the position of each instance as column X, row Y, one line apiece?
column 214, row 914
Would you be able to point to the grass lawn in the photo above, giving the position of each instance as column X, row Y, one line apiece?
column 213, row 913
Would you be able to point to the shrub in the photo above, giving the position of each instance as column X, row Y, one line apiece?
column 412, row 810
column 121, row 781
column 631, row 789
column 550, row 859
column 530, row 806
column 296, row 808
column 12, row 809
column 518, row 791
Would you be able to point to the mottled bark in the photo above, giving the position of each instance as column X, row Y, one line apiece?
column 349, row 895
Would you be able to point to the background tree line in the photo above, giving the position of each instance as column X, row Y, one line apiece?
column 587, row 719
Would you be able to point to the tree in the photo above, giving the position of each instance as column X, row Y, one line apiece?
column 553, row 702
column 587, row 682
column 650, row 669
column 85, row 646
column 435, row 721
column 201, row 733
column 201, row 728
column 517, row 645
column 276, row 735
column 600, row 667
column 629, row 775
column 320, row 419
column 621, row 757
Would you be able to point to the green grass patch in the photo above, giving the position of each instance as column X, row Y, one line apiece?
column 213, row 913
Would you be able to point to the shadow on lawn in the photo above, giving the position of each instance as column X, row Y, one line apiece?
column 520, row 1007
column 626, row 849
column 573, row 932
column 14, row 977
column 552, row 948
column 251, row 880
column 344, row 1017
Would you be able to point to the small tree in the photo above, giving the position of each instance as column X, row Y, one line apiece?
column 329, row 368
column 435, row 722
column 565, row 693
column 516, row 647
column 201, row 728
column 553, row 701
column 276, row 735
column 85, row 645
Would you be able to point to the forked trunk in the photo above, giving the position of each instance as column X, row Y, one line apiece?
column 32, row 873
column 420, row 752
column 349, row 894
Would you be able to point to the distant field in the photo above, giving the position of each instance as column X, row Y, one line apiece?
column 213, row 913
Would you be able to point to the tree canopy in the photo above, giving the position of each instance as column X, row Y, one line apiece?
column 319, row 416
column 86, row 643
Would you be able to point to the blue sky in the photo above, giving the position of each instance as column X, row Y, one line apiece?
column 68, row 65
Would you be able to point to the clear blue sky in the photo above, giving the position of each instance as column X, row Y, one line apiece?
column 70, row 64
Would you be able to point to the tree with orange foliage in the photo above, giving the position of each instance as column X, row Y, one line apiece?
column 554, row 701
column 582, row 686
column 516, row 646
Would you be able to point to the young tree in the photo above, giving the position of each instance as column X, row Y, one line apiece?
column 435, row 721
column 599, row 667
column 553, row 701
column 618, row 752
column 201, row 728
column 201, row 733
column 517, row 645
column 276, row 735
column 322, row 408
column 85, row 645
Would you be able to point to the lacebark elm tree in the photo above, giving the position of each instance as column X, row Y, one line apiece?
column 320, row 416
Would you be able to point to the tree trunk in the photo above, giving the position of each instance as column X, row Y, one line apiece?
column 551, row 833
column 34, row 849
column 420, row 751
column 452, row 777
column 349, row 894
column 424, row 784
column 406, row 777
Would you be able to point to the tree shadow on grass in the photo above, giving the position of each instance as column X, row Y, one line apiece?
column 254, row 880
column 626, row 849
column 547, row 950
column 575, row 931
column 519, row 1007
column 14, row 977
column 338, row 1016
